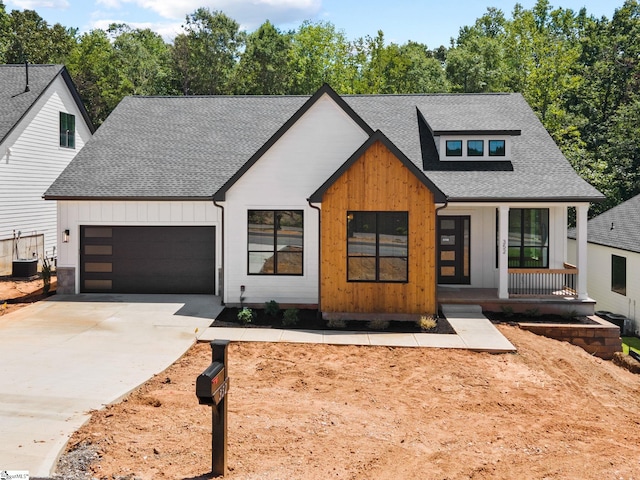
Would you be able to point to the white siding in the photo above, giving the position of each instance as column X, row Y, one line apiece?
column 297, row 164
column 599, row 280
column 34, row 162
column 484, row 270
column 72, row 214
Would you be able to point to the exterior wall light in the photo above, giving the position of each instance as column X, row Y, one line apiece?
column 65, row 236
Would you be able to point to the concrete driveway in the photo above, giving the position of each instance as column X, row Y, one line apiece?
column 65, row 356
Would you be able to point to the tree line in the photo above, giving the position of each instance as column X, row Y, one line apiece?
column 579, row 73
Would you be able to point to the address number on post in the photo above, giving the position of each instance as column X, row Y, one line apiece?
column 221, row 391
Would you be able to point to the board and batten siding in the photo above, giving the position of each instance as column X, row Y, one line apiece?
column 74, row 213
column 31, row 158
column 301, row 160
column 599, row 280
column 378, row 181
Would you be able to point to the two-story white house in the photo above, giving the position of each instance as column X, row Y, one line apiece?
column 43, row 125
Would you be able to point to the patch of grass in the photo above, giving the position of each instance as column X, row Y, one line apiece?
column 630, row 342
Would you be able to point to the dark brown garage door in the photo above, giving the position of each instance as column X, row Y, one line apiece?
column 147, row 259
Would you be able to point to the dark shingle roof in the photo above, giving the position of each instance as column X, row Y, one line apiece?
column 188, row 147
column 618, row 227
column 15, row 102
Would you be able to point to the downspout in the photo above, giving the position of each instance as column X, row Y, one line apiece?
column 215, row 202
column 319, row 253
column 435, row 266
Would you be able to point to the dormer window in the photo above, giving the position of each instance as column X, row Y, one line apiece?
column 475, row 148
column 496, row 148
column 454, row 148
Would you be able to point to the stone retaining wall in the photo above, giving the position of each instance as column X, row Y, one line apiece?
column 602, row 339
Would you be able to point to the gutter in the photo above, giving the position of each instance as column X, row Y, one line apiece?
column 319, row 254
column 222, row 250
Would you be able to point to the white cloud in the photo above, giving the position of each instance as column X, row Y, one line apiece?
column 249, row 13
column 109, row 3
column 167, row 30
column 35, row 4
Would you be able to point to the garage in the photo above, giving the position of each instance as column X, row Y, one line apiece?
column 149, row 259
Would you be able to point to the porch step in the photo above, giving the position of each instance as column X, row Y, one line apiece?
column 452, row 309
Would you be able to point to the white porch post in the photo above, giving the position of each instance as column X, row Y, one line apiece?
column 503, row 251
column 581, row 250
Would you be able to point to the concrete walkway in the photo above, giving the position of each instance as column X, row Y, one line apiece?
column 473, row 332
column 68, row 355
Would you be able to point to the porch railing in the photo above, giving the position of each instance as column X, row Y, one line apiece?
column 543, row 281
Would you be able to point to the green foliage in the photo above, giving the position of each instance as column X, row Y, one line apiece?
column 290, row 317
column 245, row 316
column 532, row 312
column 46, row 271
column 632, row 343
column 378, row 324
column 507, row 311
column 336, row 323
column 272, row 308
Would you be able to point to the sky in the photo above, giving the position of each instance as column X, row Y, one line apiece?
column 432, row 22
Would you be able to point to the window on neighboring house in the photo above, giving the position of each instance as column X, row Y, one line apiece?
column 496, row 148
column 475, row 148
column 275, row 242
column 377, row 246
column 619, row 274
column 67, row 130
column 454, row 148
column 528, row 238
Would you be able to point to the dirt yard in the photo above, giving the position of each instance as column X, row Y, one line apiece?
column 551, row 411
column 319, row 411
column 15, row 294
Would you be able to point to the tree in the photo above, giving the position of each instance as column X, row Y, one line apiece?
column 264, row 66
column 321, row 54
column 144, row 61
column 206, row 54
column 29, row 38
column 93, row 65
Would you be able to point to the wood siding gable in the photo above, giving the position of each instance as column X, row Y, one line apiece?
column 377, row 180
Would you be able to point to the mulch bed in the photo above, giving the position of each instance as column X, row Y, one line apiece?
column 501, row 317
column 309, row 319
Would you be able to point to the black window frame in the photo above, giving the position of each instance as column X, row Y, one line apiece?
column 502, row 153
column 377, row 256
column 274, row 251
column 475, row 154
column 67, row 130
column 544, row 249
column 447, row 150
column 619, row 274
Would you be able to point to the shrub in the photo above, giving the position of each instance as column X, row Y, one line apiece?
column 46, row 275
column 245, row 315
column 290, row 317
column 427, row 322
column 569, row 315
column 336, row 323
column 507, row 311
column 532, row 312
column 272, row 308
column 378, row 324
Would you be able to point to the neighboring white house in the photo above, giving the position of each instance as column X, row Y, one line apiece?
column 352, row 204
column 614, row 260
column 43, row 125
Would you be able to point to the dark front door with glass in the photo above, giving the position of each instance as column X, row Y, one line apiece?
column 454, row 250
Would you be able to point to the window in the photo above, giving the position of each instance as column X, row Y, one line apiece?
column 475, row 148
column 275, row 242
column 496, row 148
column 454, row 148
column 619, row 274
column 529, row 238
column 67, row 130
column 377, row 246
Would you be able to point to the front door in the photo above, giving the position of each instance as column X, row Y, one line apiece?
column 454, row 250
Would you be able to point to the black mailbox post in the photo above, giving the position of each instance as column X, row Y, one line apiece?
column 212, row 386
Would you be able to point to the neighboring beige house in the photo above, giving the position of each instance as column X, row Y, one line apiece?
column 43, row 125
column 614, row 261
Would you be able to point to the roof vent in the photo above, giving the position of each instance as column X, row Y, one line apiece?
column 26, row 72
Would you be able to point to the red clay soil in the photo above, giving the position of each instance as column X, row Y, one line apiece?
column 15, row 294
column 346, row 412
